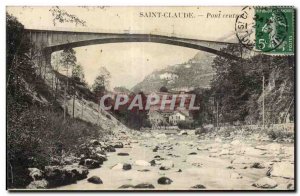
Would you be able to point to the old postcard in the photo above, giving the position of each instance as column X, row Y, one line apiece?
column 150, row 98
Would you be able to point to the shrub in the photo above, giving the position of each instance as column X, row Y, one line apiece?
column 280, row 134
column 35, row 135
column 147, row 124
column 200, row 130
column 108, row 116
column 185, row 124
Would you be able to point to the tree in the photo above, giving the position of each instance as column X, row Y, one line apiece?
column 56, row 60
column 121, row 89
column 77, row 73
column 237, row 87
column 68, row 59
column 231, row 85
column 20, row 76
column 18, row 48
column 203, row 100
column 62, row 16
column 163, row 89
column 101, row 82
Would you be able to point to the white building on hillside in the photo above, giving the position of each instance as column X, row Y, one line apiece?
column 176, row 117
column 168, row 76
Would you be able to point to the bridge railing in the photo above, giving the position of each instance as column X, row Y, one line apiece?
column 115, row 31
column 99, row 30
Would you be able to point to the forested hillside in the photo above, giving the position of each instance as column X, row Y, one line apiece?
column 238, row 88
column 39, row 132
column 196, row 73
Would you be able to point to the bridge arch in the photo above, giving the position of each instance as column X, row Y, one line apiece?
column 50, row 41
column 152, row 39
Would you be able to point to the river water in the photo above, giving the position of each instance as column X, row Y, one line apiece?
column 214, row 163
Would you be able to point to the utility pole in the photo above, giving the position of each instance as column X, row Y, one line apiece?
column 74, row 96
column 217, row 115
column 81, row 106
column 65, row 100
column 65, row 94
column 263, row 101
column 98, row 113
column 287, row 112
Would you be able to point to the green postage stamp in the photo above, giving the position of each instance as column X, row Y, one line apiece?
column 274, row 30
column 268, row 30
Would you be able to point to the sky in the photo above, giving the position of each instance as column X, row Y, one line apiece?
column 129, row 63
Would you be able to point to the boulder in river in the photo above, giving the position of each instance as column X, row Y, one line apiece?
column 290, row 186
column 80, row 172
column 155, row 149
column 265, row 182
column 95, row 180
column 63, row 175
column 126, row 186
column 230, row 167
column 153, row 162
column 95, row 142
column 166, row 165
column 99, row 150
column 257, row 165
column 118, row 145
column 183, row 132
column 198, row 186
column 144, row 186
column 90, row 163
column 35, row 173
column 123, row 154
column 143, row 170
column 38, row 184
column 126, row 166
column 164, row 180
column 110, row 148
column 157, row 157
column 282, row 169
column 99, row 157
column 69, row 160
column 142, row 163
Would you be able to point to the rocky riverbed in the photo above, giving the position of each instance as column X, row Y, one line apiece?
column 182, row 161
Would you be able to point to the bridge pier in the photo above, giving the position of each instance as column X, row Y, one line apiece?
column 44, row 63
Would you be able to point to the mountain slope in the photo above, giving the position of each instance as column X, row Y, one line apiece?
column 196, row 73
